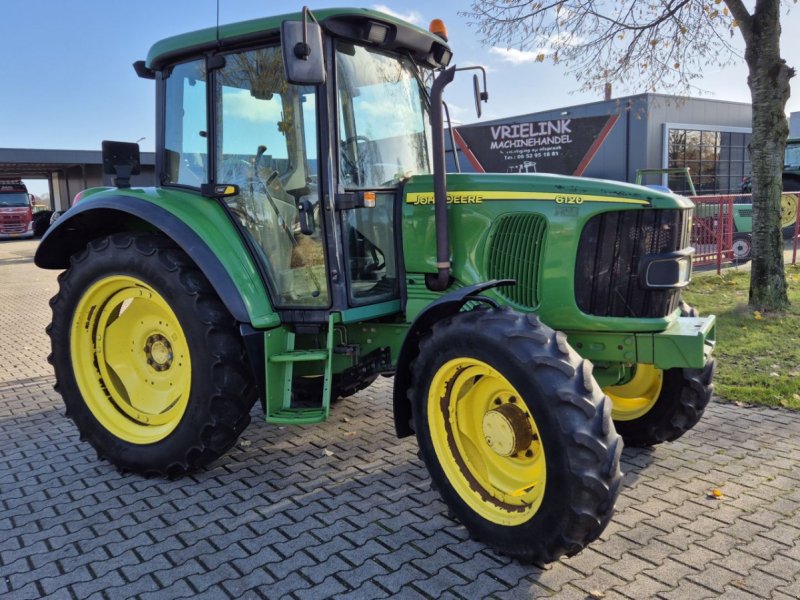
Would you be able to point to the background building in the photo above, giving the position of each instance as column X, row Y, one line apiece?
column 67, row 171
column 612, row 139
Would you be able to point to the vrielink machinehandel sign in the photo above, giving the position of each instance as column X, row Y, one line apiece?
column 564, row 146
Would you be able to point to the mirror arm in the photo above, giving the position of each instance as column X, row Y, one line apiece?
column 302, row 51
column 485, row 92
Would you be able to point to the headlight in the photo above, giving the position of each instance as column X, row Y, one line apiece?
column 666, row 271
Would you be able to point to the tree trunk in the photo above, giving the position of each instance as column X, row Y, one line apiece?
column 768, row 80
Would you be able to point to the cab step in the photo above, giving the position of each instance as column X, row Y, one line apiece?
column 281, row 356
column 300, row 356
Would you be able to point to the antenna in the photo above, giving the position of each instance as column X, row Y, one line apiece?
column 217, row 21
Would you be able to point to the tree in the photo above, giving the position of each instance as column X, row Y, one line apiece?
column 668, row 43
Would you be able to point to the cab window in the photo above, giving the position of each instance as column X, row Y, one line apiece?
column 186, row 125
column 266, row 143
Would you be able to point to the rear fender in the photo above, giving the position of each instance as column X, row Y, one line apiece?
column 224, row 260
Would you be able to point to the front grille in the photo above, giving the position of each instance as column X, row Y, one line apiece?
column 515, row 248
column 607, row 270
column 13, row 224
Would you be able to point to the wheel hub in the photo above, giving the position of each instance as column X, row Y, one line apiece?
column 159, row 352
column 507, row 430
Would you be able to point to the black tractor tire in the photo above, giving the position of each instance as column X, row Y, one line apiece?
column 742, row 248
column 581, row 449
column 41, row 222
column 684, row 395
column 221, row 389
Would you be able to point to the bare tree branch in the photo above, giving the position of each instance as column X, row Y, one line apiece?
column 662, row 43
column 668, row 44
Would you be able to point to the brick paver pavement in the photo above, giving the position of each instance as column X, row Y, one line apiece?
column 279, row 517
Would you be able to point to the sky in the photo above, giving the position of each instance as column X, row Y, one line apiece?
column 67, row 81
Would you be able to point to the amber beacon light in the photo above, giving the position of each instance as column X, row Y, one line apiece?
column 437, row 26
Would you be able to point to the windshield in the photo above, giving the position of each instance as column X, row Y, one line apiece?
column 14, row 199
column 384, row 130
column 792, row 155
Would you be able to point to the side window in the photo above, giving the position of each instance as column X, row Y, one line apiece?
column 186, row 125
column 267, row 145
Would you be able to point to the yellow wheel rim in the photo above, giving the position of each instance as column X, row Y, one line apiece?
column 634, row 399
column 788, row 209
column 486, row 441
column 131, row 359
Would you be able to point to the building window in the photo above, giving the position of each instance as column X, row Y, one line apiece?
column 717, row 160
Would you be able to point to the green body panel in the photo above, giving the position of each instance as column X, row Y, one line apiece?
column 566, row 203
column 208, row 220
column 259, row 27
column 743, row 218
column 742, row 215
column 372, row 311
column 686, row 342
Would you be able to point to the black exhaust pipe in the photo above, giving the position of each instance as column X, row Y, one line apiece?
column 440, row 281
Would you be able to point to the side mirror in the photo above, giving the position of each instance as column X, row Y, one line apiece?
column 306, row 209
column 122, row 160
column 479, row 95
column 301, row 45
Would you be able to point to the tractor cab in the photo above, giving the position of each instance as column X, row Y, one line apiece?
column 313, row 168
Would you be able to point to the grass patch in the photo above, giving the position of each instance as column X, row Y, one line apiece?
column 758, row 355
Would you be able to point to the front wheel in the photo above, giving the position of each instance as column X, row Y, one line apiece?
column 656, row 406
column 147, row 359
column 515, row 433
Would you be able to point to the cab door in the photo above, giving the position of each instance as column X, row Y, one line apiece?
column 266, row 143
column 383, row 132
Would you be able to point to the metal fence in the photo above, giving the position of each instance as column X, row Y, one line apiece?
column 713, row 228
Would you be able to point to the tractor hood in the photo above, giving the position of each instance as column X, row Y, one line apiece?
column 478, row 188
column 553, row 234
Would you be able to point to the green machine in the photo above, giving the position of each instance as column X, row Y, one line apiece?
column 741, row 209
column 304, row 239
column 743, row 213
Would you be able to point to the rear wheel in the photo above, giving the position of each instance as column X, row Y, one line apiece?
column 147, row 358
column 789, row 206
column 516, row 434
column 657, row 406
column 742, row 247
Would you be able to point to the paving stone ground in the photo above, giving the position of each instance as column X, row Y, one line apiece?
column 279, row 517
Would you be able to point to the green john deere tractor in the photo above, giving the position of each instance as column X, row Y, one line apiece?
column 304, row 239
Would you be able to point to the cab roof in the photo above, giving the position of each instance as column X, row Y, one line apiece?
column 345, row 22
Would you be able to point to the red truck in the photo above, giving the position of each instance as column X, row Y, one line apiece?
column 16, row 209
